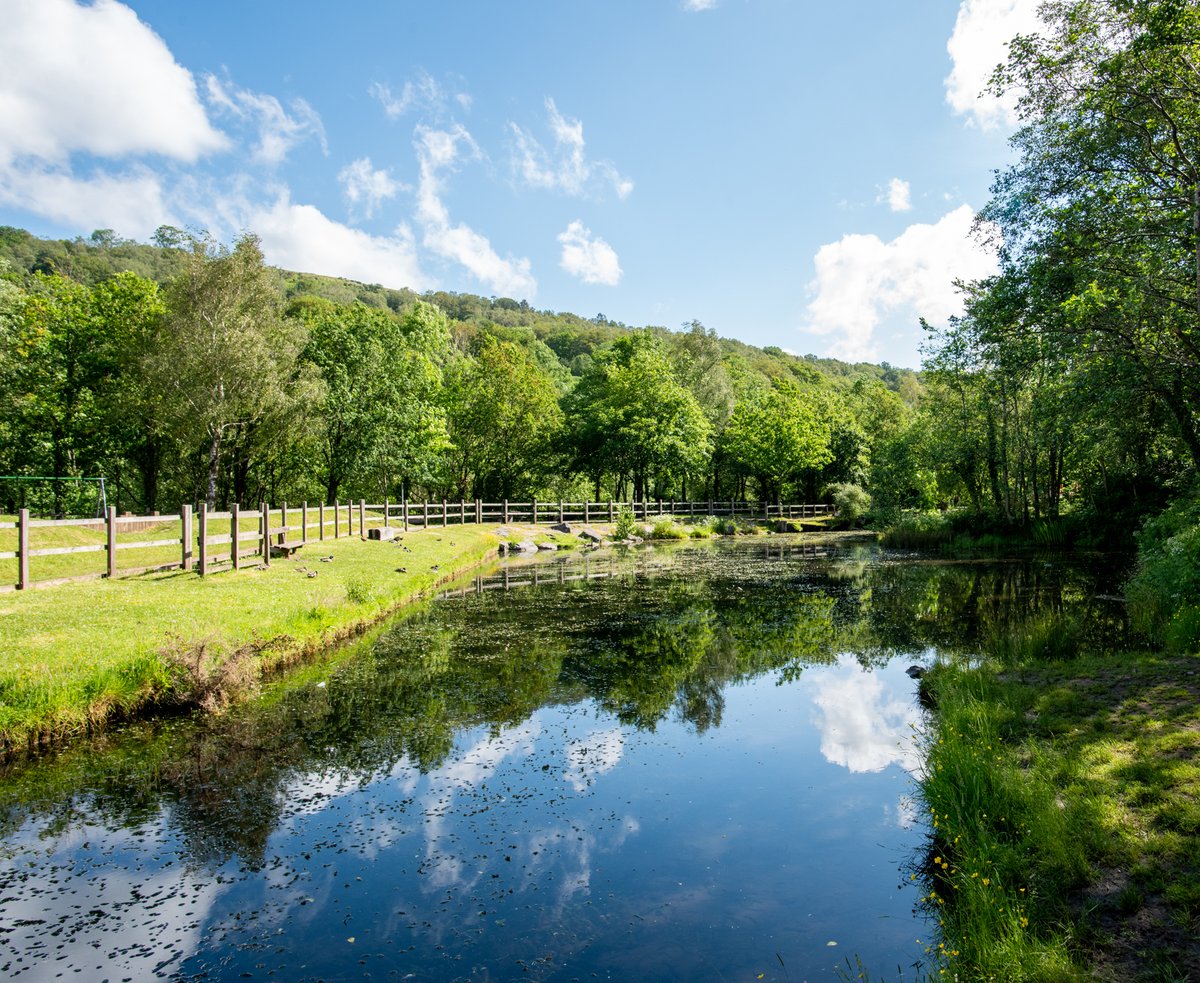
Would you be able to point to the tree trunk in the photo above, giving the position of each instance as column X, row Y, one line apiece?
column 214, row 459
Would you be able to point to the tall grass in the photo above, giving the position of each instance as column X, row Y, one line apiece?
column 1005, row 850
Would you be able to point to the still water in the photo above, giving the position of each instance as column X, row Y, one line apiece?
column 692, row 762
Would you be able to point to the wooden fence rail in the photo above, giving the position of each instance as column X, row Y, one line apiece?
column 206, row 541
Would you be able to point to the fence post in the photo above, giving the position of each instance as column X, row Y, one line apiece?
column 560, row 511
column 505, row 512
column 462, row 512
column 321, row 521
column 185, row 536
column 202, row 544
column 445, row 515
column 235, row 554
column 404, row 511
column 265, row 524
column 283, row 533
column 22, row 549
column 304, row 522
column 110, row 528
column 336, row 531
column 362, row 518
column 386, row 509
column 478, row 512
column 585, row 511
column 535, row 510
column 425, row 514
column 610, row 510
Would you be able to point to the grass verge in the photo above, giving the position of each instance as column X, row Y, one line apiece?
column 78, row 656
column 1064, row 799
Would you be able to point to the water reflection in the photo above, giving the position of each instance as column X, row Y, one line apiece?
column 865, row 726
column 671, row 763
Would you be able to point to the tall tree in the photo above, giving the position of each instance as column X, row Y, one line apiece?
column 504, row 418
column 631, row 418
column 1107, row 190
column 380, row 416
column 776, row 433
column 228, row 365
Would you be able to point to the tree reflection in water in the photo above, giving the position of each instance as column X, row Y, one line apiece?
column 637, row 639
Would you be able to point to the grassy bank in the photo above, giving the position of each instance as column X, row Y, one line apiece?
column 79, row 655
column 1065, row 805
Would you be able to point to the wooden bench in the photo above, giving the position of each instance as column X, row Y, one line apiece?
column 284, row 549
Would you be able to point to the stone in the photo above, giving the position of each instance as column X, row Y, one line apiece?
column 548, row 547
column 786, row 525
column 563, row 527
column 590, row 534
column 527, row 546
column 382, row 533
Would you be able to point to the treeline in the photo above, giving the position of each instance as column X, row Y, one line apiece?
column 184, row 371
column 1076, row 370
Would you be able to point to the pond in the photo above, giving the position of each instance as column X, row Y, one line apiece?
column 692, row 762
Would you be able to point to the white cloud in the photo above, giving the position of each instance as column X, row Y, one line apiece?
column 567, row 169
column 899, row 195
column 94, row 79
column 861, row 279
column 597, row 754
column 425, row 95
column 363, row 185
column 133, row 202
column 300, row 237
column 278, row 130
column 590, row 258
column 980, row 43
column 438, row 151
column 863, row 727
column 696, row 5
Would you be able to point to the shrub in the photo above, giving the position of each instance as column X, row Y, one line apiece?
column 851, row 502
column 626, row 524
column 923, row 531
column 1166, row 582
column 359, row 590
column 722, row 527
column 667, row 528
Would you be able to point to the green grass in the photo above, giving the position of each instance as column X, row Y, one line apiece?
column 79, row 655
column 1065, row 804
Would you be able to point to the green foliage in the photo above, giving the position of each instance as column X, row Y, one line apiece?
column 311, row 386
column 629, row 417
column 667, row 528
column 1163, row 589
column 851, row 502
column 226, row 370
column 381, row 420
column 774, row 434
column 626, row 524
column 504, row 419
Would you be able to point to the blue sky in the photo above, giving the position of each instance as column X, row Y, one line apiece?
column 789, row 173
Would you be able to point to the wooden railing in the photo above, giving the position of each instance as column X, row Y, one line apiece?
column 204, row 541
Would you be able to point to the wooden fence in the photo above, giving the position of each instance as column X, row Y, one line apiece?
column 196, row 539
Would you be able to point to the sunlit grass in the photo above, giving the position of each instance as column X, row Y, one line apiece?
column 78, row 654
column 1046, row 781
